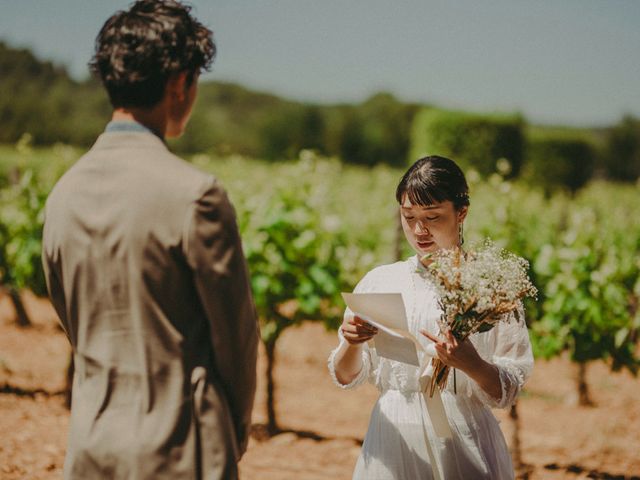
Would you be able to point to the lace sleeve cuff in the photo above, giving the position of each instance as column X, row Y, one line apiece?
column 511, row 382
column 360, row 378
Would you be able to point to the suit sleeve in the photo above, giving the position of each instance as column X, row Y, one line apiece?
column 51, row 265
column 214, row 253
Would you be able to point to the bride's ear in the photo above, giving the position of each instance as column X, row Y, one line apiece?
column 462, row 213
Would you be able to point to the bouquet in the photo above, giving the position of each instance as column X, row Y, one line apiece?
column 476, row 290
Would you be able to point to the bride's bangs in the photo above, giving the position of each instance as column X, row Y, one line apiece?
column 432, row 180
column 420, row 193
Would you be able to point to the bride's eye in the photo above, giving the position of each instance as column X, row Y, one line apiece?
column 407, row 217
column 432, row 218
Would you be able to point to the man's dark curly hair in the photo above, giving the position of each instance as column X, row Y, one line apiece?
column 138, row 50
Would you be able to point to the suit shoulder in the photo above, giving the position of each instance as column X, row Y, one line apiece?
column 187, row 170
column 176, row 178
column 66, row 180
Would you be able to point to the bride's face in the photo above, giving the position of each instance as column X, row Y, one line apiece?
column 430, row 228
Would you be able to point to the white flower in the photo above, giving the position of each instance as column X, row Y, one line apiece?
column 478, row 288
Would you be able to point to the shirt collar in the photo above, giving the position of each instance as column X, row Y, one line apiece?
column 129, row 126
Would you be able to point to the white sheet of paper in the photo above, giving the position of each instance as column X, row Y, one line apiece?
column 386, row 312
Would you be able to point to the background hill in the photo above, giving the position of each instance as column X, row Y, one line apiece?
column 40, row 99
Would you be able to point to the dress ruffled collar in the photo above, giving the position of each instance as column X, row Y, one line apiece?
column 416, row 265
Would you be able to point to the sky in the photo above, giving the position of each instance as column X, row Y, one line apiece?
column 571, row 62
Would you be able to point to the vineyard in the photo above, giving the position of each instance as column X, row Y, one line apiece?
column 311, row 228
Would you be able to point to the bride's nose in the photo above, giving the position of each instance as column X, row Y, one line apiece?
column 420, row 227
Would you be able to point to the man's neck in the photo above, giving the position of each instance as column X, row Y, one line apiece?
column 152, row 119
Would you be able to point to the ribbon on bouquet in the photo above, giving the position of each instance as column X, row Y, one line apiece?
column 432, row 406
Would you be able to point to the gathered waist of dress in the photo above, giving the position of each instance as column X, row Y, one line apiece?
column 460, row 399
column 402, row 390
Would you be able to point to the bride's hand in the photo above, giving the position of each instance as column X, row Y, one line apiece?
column 454, row 353
column 356, row 331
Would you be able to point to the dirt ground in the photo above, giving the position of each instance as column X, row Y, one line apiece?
column 326, row 425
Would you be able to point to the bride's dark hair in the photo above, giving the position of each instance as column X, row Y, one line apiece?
column 434, row 179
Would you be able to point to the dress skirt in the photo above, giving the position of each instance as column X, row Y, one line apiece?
column 400, row 443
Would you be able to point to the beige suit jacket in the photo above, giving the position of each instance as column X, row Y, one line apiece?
column 145, row 268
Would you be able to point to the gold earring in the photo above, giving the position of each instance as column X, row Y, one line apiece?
column 460, row 234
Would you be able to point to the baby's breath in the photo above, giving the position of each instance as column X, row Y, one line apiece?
column 477, row 289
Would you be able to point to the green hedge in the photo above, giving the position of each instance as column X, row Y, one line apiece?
column 559, row 160
column 622, row 158
column 472, row 140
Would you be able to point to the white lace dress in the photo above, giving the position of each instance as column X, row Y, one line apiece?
column 395, row 446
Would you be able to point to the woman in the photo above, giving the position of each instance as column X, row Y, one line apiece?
column 491, row 367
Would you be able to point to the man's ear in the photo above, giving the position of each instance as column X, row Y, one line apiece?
column 177, row 85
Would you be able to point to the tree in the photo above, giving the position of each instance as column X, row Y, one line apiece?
column 21, row 222
column 295, row 274
column 560, row 160
column 472, row 140
column 371, row 133
column 290, row 129
column 591, row 285
column 622, row 158
column 40, row 98
column 386, row 128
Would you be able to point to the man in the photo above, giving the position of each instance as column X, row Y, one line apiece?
column 145, row 268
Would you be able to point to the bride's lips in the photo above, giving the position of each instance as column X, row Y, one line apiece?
column 424, row 243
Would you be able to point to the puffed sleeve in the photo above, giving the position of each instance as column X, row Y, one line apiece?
column 364, row 286
column 513, row 357
column 213, row 250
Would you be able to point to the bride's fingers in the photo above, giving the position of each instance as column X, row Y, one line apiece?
column 359, row 320
column 355, row 338
column 354, row 330
column 443, row 353
column 351, row 331
column 429, row 336
column 452, row 339
column 367, row 329
column 363, row 323
column 363, row 327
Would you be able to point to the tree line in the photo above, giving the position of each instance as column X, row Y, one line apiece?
column 40, row 98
